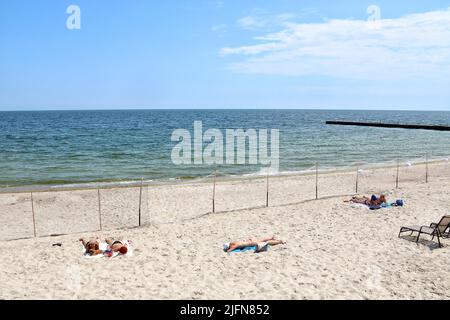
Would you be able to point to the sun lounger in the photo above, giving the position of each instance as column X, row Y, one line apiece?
column 446, row 233
column 434, row 230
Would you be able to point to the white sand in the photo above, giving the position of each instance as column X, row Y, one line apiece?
column 334, row 251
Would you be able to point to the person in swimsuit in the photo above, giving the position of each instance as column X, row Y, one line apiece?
column 382, row 199
column 372, row 201
column 116, row 245
column 361, row 200
column 259, row 244
column 92, row 247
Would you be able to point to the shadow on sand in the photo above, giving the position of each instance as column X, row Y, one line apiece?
column 432, row 245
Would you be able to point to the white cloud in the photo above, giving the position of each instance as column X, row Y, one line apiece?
column 249, row 22
column 260, row 19
column 416, row 45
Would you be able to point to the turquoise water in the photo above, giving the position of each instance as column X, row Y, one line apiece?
column 71, row 147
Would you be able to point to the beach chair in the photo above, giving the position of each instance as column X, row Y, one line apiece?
column 434, row 230
column 446, row 233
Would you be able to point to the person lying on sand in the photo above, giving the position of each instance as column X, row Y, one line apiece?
column 92, row 246
column 259, row 244
column 381, row 200
column 372, row 201
column 116, row 245
column 361, row 200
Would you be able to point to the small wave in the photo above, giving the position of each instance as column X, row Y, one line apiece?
column 53, row 185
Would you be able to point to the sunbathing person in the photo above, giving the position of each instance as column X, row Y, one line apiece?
column 378, row 201
column 361, row 200
column 372, row 201
column 116, row 245
column 260, row 244
column 92, row 246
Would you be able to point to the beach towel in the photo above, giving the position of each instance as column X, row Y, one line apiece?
column 261, row 247
column 104, row 246
column 244, row 249
column 397, row 203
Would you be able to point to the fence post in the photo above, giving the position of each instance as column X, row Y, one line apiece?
column 140, row 198
column 148, row 204
column 396, row 179
column 267, row 189
column 32, row 211
column 426, row 168
column 214, row 193
column 357, row 176
column 99, row 209
column 317, row 176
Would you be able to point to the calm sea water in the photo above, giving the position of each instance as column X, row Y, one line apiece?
column 67, row 147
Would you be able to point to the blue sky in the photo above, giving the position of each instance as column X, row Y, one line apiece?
column 225, row 54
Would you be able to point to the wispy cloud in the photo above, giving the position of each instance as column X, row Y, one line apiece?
column 219, row 28
column 416, row 45
column 261, row 20
column 220, row 4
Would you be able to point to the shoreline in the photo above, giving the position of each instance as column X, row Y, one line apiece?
column 222, row 177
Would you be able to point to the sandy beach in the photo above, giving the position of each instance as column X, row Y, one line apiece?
column 334, row 250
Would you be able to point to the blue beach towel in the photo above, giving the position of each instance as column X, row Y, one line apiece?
column 244, row 249
column 264, row 248
column 397, row 203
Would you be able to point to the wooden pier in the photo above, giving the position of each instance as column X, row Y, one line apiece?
column 390, row 125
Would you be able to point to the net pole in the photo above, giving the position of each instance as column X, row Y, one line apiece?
column 140, row 201
column 99, row 210
column 396, row 179
column 32, row 211
column 267, row 188
column 214, row 193
column 317, row 180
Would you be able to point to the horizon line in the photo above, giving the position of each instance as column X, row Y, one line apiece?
column 230, row 108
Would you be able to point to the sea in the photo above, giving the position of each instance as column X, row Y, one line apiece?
column 78, row 148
